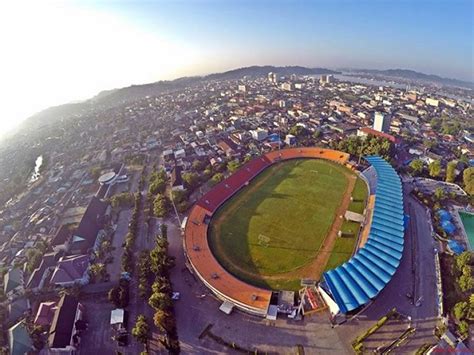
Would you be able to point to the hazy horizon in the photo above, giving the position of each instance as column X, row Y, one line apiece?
column 64, row 52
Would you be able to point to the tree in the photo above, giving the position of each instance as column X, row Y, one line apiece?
column 191, row 179
column 233, row 165
column 439, row 193
column 462, row 260
column 98, row 271
column 95, row 172
column 298, row 131
column 451, row 171
column 468, row 179
column 161, row 205
column 216, row 179
column 159, row 300
column 163, row 320
column 416, row 166
column 466, row 281
column 33, row 257
column 460, row 310
column 435, row 168
column 463, row 328
column 141, row 329
column 198, row 165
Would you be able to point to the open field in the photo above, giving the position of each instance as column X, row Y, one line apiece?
column 276, row 225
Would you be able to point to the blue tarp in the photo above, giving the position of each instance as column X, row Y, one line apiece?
column 455, row 247
column 448, row 227
column 444, row 215
column 360, row 279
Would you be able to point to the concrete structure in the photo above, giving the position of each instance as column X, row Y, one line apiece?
column 225, row 286
column 259, row 134
column 381, row 122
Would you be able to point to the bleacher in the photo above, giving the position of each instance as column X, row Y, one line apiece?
column 356, row 282
column 227, row 287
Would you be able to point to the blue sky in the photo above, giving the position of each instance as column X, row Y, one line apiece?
column 55, row 52
column 430, row 36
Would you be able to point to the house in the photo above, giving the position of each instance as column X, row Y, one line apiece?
column 19, row 340
column 70, row 270
column 18, row 308
column 61, row 239
column 228, row 147
column 45, row 314
column 85, row 237
column 66, row 326
column 43, row 271
column 177, row 179
column 13, row 282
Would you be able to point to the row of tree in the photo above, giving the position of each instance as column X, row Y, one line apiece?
column 127, row 257
column 161, row 297
column 417, row 168
column 370, row 145
column 464, row 310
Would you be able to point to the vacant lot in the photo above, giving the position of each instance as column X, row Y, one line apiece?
column 278, row 223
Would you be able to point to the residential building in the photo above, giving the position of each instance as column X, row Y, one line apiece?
column 19, row 339
column 65, row 327
column 13, row 282
column 70, row 270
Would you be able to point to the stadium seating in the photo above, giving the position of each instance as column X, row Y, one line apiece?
column 227, row 287
column 360, row 279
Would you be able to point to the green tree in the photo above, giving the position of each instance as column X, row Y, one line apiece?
column 141, row 329
column 216, row 179
column 468, row 178
column 462, row 260
column 451, row 171
column 33, row 257
column 465, row 281
column 233, row 165
column 163, row 320
column 463, row 328
column 198, row 165
column 159, row 300
column 416, row 166
column 161, row 205
column 435, row 168
column 298, row 131
column 191, row 179
column 439, row 193
column 460, row 310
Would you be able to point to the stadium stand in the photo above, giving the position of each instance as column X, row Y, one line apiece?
column 360, row 279
column 225, row 286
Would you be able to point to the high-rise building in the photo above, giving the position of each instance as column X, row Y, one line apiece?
column 381, row 122
column 242, row 88
column 272, row 77
column 325, row 79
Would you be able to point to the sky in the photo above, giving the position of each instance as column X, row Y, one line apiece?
column 63, row 51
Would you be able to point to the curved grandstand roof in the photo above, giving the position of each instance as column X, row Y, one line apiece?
column 361, row 278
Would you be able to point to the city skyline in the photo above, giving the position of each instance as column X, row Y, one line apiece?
column 62, row 52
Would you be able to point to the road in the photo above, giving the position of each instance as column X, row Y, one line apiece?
column 114, row 268
column 416, row 276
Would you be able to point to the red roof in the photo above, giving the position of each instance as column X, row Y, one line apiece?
column 373, row 132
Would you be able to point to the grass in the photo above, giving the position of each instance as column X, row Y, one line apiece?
column 277, row 223
column 359, row 197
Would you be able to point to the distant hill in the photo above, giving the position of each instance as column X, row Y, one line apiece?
column 414, row 75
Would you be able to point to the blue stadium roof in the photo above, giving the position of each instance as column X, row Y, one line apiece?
column 360, row 279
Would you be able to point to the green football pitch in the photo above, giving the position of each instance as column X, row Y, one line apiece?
column 275, row 226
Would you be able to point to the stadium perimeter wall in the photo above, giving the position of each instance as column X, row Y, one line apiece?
column 225, row 286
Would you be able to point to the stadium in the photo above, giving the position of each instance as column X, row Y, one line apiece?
column 293, row 216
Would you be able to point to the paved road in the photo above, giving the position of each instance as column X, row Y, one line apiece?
column 416, row 275
column 114, row 268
